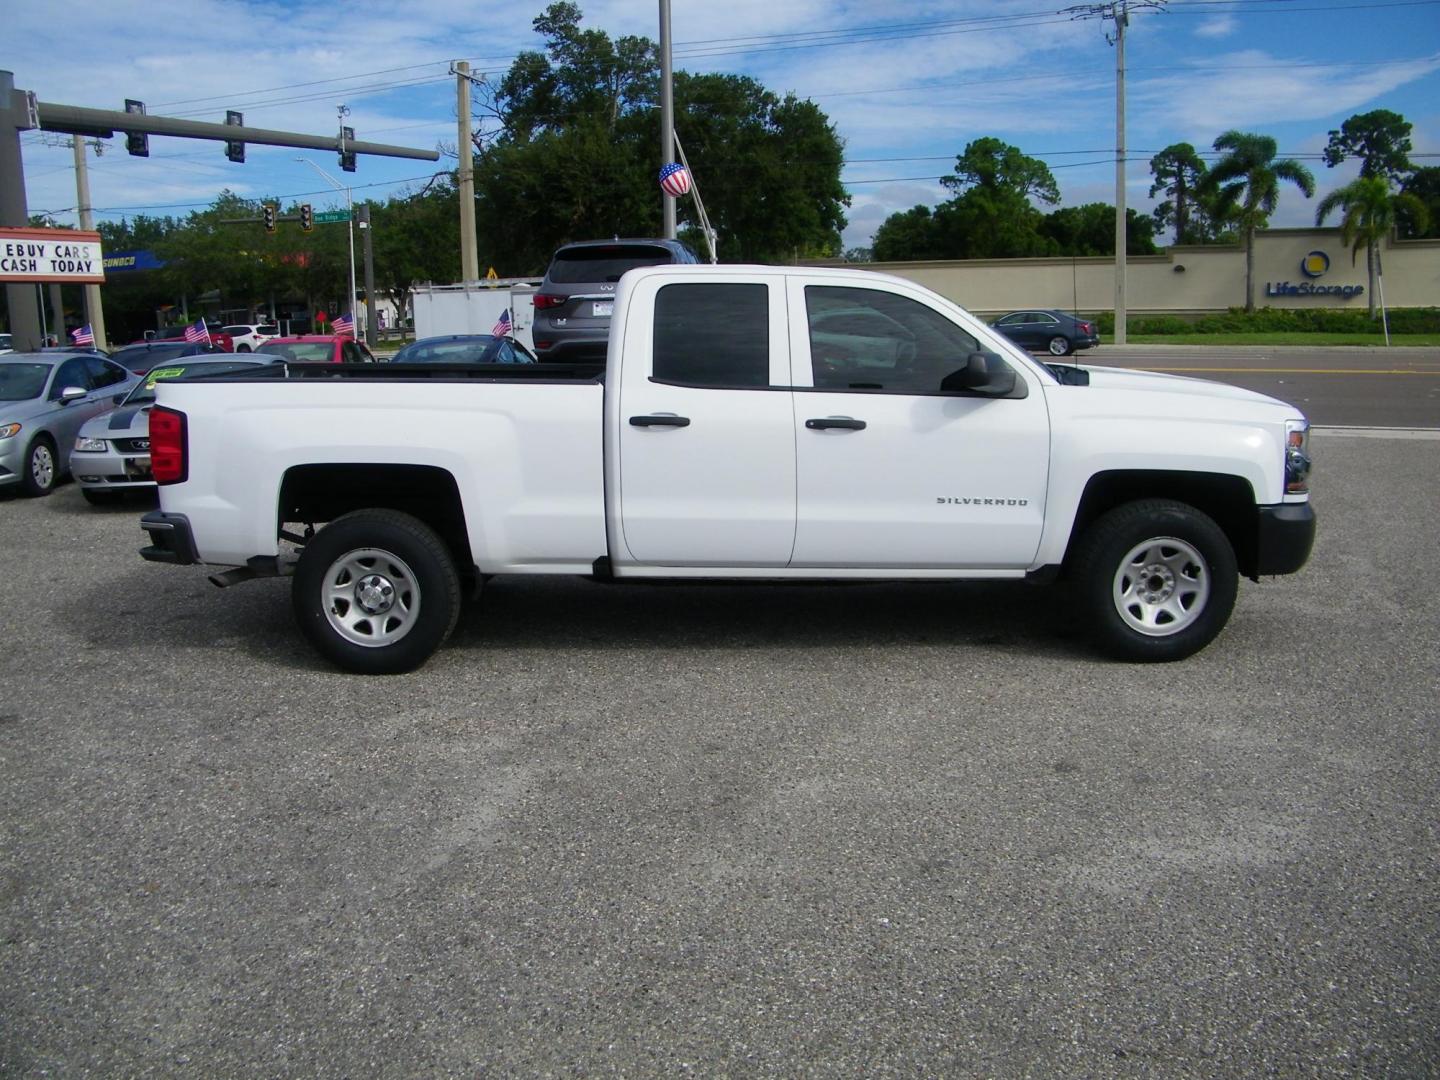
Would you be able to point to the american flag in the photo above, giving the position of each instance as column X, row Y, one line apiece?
column 198, row 332
column 502, row 325
column 345, row 324
column 83, row 335
column 674, row 179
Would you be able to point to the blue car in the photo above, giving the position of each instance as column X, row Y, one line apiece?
column 464, row 349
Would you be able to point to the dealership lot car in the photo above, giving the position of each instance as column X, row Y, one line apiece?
column 112, row 451
column 315, row 349
column 141, row 358
column 464, row 349
column 573, row 306
column 45, row 398
column 250, row 336
column 1055, row 332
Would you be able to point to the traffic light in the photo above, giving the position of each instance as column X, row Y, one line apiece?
column 234, row 149
column 137, row 142
column 307, row 218
column 268, row 216
column 347, row 156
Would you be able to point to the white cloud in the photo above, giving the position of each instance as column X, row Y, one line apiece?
column 1218, row 27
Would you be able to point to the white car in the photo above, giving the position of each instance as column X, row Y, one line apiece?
column 250, row 336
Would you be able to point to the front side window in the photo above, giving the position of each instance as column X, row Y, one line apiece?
column 104, row 373
column 713, row 334
column 865, row 339
column 71, row 373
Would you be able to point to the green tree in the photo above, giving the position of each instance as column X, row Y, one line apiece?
column 574, row 154
column 1370, row 213
column 1246, row 183
column 995, row 166
column 1090, row 230
column 1179, row 174
column 416, row 238
column 1424, row 185
column 1380, row 139
column 909, row 235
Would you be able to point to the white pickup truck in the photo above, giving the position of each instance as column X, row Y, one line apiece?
column 751, row 422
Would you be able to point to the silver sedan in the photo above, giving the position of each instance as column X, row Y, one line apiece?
column 44, row 399
column 112, row 451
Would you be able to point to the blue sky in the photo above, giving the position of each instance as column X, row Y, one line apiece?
column 906, row 85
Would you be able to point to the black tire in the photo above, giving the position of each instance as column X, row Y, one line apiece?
column 42, row 467
column 1183, row 603
column 97, row 497
column 411, row 592
column 1059, row 345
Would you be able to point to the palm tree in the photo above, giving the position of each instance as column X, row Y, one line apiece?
column 1371, row 212
column 1247, row 181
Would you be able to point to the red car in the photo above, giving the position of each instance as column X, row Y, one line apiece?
column 317, row 349
column 177, row 333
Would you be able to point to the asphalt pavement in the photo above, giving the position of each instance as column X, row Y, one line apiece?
column 875, row 830
column 1349, row 386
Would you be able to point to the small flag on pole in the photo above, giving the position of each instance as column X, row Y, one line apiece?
column 502, row 325
column 674, row 179
column 83, row 335
column 345, row 324
column 198, row 332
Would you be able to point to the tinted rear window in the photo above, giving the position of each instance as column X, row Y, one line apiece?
column 578, row 266
column 713, row 335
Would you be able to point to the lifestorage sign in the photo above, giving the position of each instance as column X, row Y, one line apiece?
column 63, row 255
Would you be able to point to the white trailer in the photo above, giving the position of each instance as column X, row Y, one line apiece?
column 473, row 307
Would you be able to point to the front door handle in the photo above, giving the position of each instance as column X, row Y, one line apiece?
column 824, row 422
column 659, row 421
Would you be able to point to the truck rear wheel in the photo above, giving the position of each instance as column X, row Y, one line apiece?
column 1157, row 580
column 376, row 592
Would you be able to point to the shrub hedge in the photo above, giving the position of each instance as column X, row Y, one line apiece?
column 1281, row 320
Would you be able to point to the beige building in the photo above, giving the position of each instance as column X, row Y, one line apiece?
column 1294, row 268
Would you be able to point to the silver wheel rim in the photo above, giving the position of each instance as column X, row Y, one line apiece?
column 42, row 466
column 1161, row 587
column 371, row 597
column 1059, row 346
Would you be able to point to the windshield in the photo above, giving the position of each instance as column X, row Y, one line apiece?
column 300, row 351
column 21, row 382
column 144, row 392
column 149, row 355
column 478, row 350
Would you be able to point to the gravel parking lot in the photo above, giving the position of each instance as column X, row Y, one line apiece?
column 866, row 830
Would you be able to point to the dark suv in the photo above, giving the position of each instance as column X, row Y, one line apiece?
column 572, row 308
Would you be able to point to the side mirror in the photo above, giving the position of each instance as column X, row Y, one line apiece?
column 983, row 373
column 72, row 393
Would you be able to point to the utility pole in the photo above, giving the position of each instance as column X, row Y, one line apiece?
column 469, row 257
column 22, row 297
column 370, row 324
column 1119, row 12
column 667, row 114
column 94, row 312
column 1121, row 15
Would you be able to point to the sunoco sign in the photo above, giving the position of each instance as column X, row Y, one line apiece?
column 1313, row 265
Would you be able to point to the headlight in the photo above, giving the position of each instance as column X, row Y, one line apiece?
column 91, row 445
column 1297, row 457
column 9, row 430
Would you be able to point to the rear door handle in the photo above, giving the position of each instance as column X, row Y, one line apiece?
column 821, row 423
column 659, row 421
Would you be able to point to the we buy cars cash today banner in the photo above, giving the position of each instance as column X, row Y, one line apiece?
column 63, row 255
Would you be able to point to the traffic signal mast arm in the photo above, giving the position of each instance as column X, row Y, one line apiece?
column 105, row 122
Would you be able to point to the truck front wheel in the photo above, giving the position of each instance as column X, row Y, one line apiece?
column 376, row 592
column 1157, row 580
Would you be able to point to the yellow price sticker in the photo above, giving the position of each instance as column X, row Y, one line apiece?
column 162, row 373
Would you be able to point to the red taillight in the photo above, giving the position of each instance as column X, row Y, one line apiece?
column 167, row 445
column 1085, row 328
column 543, row 301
